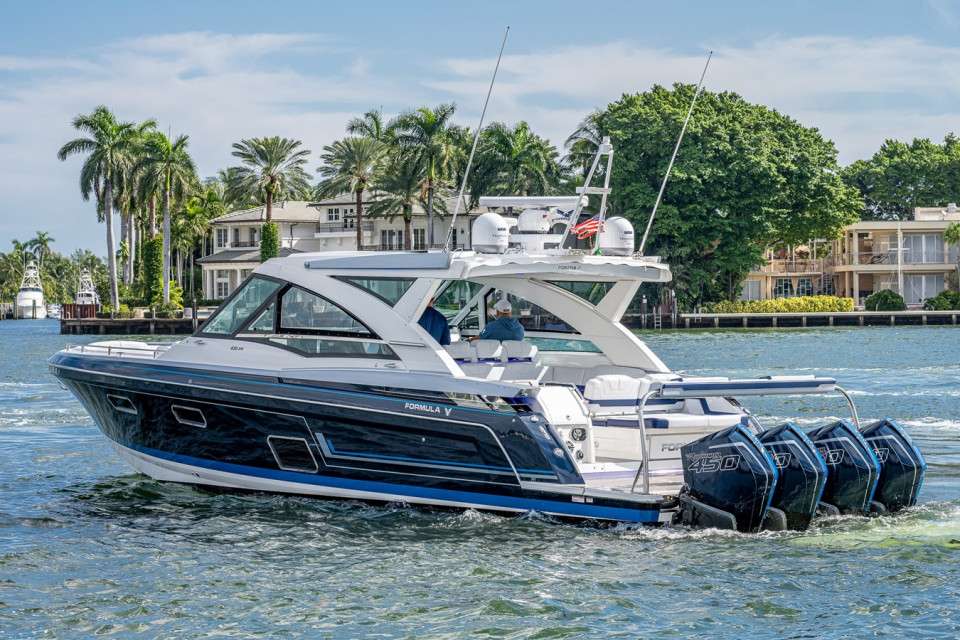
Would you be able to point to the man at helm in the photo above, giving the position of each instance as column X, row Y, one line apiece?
column 504, row 327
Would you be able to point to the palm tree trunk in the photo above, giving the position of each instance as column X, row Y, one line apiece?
column 111, row 249
column 269, row 204
column 166, row 246
column 123, row 238
column 430, row 212
column 153, row 216
column 360, row 219
column 407, row 220
column 192, row 267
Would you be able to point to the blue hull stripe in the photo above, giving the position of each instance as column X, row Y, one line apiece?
column 482, row 500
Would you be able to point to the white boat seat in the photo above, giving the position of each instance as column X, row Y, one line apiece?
column 487, row 350
column 461, row 351
column 525, row 371
column 518, row 351
column 612, row 394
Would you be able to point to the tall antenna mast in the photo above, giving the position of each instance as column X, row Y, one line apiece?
column 663, row 185
column 476, row 138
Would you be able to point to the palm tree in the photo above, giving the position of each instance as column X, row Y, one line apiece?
column 273, row 169
column 425, row 131
column 584, row 141
column 370, row 125
column 41, row 246
column 349, row 165
column 195, row 222
column 398, row 187
column 516, row 161
column 168, row 163
column 951, row 237
column 110, row 148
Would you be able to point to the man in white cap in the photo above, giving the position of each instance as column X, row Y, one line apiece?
column 504, row 327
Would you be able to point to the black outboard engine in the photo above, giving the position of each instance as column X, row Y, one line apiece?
column 802, row 474
column 852, row 467
column 728, row 481
column 901, row 464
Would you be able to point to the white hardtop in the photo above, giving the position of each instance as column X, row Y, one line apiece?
column 463, row 265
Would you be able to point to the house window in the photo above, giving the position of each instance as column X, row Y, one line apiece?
column 387, row 238
column 419, row 239
column 253, row 237
column 805, row 287
column 333, row 214
column 221, row 238
column 783, row 288
column 751, row 290
column 918, row 288
column 236, row 237
column 400, row 239
column 223, row 289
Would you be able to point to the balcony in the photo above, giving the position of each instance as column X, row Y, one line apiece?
column 890, row 258
column 790, row 265
column 332, row 228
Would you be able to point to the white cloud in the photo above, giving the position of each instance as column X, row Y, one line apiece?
column 219, row 88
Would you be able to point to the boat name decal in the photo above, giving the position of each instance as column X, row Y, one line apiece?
column 428, row 408
column 568, row 267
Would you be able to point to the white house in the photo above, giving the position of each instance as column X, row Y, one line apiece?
column 328, row 225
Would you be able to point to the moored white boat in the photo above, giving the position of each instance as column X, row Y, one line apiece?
column 30, row 304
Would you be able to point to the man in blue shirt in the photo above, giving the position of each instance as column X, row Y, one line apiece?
column 504, row 327
column 435, row 324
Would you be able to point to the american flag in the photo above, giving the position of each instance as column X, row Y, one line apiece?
column 588, row 228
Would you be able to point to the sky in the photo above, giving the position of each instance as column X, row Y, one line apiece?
column 860, row 72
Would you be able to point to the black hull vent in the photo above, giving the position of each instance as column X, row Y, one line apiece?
column 292, row 454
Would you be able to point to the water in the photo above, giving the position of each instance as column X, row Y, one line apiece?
column 88, row 548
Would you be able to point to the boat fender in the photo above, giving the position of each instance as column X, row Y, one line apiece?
column 902, row 466
column 697, row 514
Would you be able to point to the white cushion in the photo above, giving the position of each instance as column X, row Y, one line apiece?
column 614, row 393
column 518, row 350
column 487, row 349
column 481, row 370
column 462, row 350
column 525, row 371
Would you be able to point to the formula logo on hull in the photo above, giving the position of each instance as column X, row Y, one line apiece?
column 427, row 408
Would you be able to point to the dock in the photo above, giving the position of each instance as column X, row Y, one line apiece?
column 127, row 326
column 820, row 319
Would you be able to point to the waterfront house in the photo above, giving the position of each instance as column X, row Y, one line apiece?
column 327, row 225
column 907, row 256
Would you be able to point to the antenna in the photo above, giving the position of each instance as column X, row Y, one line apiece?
column 663, row 185
column 476, row 138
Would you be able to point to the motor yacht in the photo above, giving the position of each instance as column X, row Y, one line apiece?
column 30, row 296
column 315, row 378
column 86, row 291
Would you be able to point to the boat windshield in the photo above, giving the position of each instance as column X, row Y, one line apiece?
column 238, row 309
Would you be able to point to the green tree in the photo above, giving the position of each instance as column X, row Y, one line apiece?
column 348, row 166
column 515, row 161
column 746, row 178
column 269, row 241
column 398, row 187
column 110, row 151
column 900, row 177
column 583, row 143
column 272, row 170
column 152, row 273
column 40, row 245
column 370, row 125
column 426, row 132
column 168, row 163
column 951, row 237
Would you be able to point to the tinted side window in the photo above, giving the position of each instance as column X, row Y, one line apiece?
column 232, row 315
column 301, row 310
